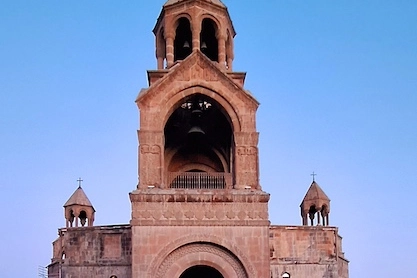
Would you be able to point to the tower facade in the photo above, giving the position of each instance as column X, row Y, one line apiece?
column 198, row 200
column 198, row 209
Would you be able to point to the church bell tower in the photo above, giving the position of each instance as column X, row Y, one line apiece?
column 198, row 210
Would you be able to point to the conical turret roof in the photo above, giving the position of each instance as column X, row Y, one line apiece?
column 315, row 193
column 79, row 198
column 216, row 2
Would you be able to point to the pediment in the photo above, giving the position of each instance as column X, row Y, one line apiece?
column 196, row 70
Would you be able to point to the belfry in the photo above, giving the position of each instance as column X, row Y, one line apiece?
column 198, row 209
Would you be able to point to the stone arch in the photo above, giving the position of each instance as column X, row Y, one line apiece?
column 209, row 38
column 171, row 153
column 192, row 136
column 176, row 96
column 195, row 166
column 198, row 160
column 178, row 17
column 200, row 253
column 183, row 37
column 201, row 238
column 213, row 18
column 201, row 270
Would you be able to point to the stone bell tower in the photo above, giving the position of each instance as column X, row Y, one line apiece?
column 198, row 209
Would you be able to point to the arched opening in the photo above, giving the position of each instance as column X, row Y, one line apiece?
column 201, row 271
column 161, row 49
column 208, row 41
column 71, row 218
column 83, row 218
column 198, row 145
column 212, row 259
column 183, row 40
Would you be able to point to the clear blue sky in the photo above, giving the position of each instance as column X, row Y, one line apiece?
column 337, row 83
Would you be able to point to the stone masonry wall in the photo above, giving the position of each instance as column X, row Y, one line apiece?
column 227, row 227
column 92, row 252
column 305, row 251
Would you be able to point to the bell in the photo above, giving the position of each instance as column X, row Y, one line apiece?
column 196, row 130
column 196, row 112
column 204, row 46
column 186, row 44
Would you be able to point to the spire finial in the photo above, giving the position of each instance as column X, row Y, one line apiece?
column 313, row 174
column 79, row 182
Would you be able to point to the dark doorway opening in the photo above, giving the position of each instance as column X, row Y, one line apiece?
column 201, row 271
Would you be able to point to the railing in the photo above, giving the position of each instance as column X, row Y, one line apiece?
column 199, row 180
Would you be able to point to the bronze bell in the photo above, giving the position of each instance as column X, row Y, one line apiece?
column 196, row 130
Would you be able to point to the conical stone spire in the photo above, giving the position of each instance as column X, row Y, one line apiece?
column 216, row 2
column 315, row 202
column 79, row 207
column 78, row 198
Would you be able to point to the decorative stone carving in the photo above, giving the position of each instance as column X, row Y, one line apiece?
column 198, row 248
column 199, row 215
column 184, row 74
column 210, row 214
column 146, row 214
column 189, row 214
column 219, row 215
column 178, row 215
column 230, row 214
column 154, row 149
column 168, row 214
column 241, row 215
column 247, row 150
column 156, row 214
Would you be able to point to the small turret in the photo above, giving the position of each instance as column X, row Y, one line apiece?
column 315, row 203
column 79, row 207
column 185, row 26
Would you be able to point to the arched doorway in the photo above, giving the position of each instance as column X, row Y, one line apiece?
column 201, row 271
column 199, row 260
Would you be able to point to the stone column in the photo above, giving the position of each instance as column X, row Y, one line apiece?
column 90, row 218
column 222, row 50
column 76, row 215
column 150, row 158
column 246, row 160
column 196, row 30
column 311, row 214
column 160, row 50
column 318, row 218
column 229, row 54
column 304, row 216
column 169, row 37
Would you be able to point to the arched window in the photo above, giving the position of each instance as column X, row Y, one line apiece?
column 198, row 156
column 83, row 218
column 183, row 40
column 286, row 275
column 209, row 44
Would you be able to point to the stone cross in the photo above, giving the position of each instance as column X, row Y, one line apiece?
column 79, row 182
column 313, row 175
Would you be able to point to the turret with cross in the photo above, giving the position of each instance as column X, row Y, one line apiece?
column 79, row 209
column 315, row 203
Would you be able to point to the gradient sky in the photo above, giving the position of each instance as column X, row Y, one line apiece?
column 337, row 83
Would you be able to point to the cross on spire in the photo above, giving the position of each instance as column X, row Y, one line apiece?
column 313, row 174
column 79, row 182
